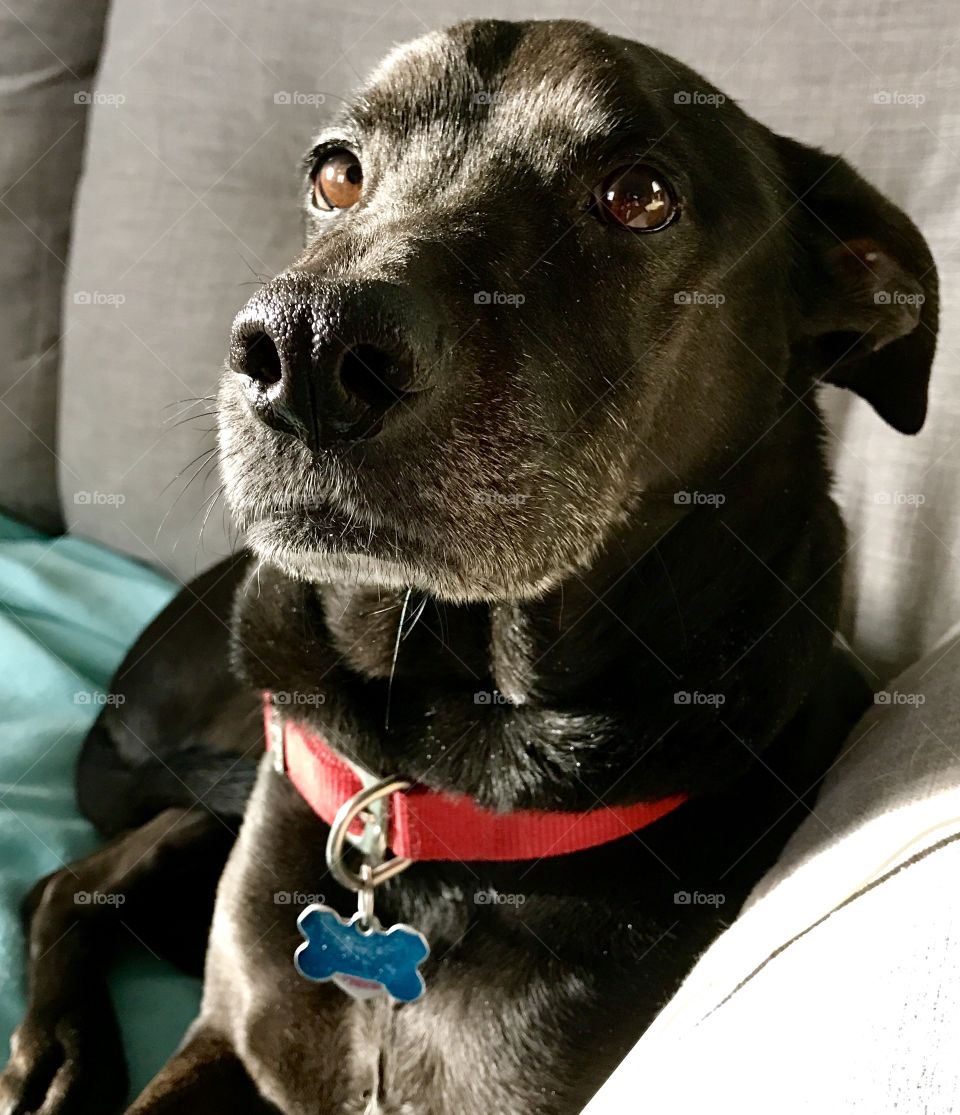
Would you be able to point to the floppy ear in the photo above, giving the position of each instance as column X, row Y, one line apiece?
column 868, row 287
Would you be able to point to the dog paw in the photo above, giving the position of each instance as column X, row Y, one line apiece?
column 61, row 1068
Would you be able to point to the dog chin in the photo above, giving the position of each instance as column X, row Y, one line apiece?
column 346, row 558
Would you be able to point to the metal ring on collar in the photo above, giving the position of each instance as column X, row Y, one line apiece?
column 339, row 833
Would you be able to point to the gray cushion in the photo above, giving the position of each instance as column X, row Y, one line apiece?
column 191, row 190
column 48, row 51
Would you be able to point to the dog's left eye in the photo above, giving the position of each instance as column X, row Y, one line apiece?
column 636, row 197
column 337, row 181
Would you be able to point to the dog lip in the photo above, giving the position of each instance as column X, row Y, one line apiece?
column 303, row 543
column 326, row 527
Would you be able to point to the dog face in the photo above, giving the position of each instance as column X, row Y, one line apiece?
column 551, row 277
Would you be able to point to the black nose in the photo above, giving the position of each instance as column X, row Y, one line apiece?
column 327, row 363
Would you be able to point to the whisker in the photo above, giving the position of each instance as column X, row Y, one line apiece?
column 204, row 453
column 260, row 279
column 194, row 418
column 192, row 399
column 396, row 653
column 205, row 463
column 416, row 616
column 211, row 504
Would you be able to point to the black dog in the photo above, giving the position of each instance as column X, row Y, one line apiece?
column 525, row 448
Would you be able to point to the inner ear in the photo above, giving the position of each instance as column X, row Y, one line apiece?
column 866, row 283
column 867, row 299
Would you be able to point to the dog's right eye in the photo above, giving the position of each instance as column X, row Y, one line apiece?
column 636, row 197
column 337, row 181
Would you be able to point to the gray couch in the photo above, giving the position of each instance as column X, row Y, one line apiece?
column 188, row 194
column 147, row 179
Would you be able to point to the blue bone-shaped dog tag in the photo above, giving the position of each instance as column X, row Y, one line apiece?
column 361, row 962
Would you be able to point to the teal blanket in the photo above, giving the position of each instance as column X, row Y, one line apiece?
column 68, row 612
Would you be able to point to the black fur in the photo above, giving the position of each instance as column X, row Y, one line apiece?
column 493, row 546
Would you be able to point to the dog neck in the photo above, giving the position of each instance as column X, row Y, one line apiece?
column 691, row 641
column 675, row 580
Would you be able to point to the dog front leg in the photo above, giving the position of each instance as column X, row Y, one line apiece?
column 204, row 1077
column 67, row 1056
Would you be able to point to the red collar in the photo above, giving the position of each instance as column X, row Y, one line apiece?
column 430, row 824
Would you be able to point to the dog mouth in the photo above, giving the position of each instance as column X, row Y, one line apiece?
column 463, row 509
column 326, row 529
column 325, row 545
column 394, row 545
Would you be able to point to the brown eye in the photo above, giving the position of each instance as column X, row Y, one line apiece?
column 636, row 197
column 337, row 181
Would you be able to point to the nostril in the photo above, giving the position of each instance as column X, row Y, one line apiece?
column 260, row 359
column 373, row 376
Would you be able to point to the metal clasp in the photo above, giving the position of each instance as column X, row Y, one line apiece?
column 371, row 806
column 278, row 742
